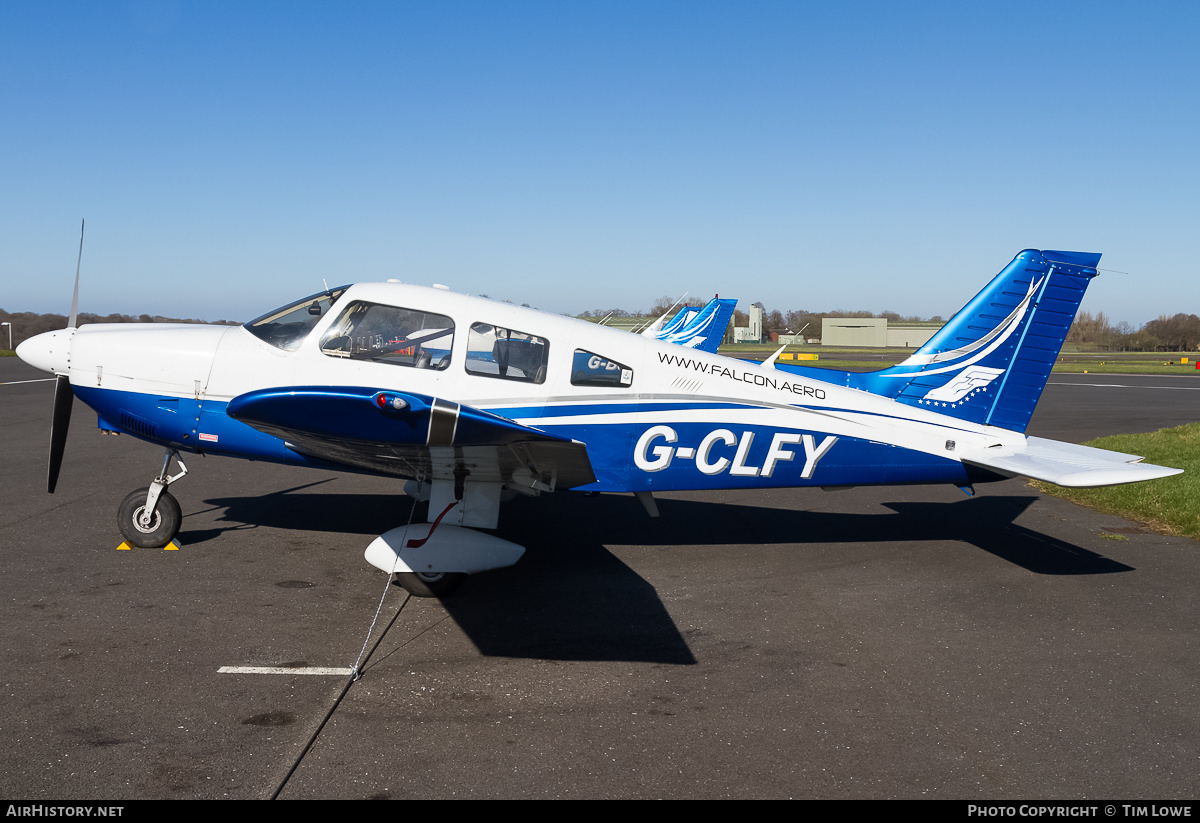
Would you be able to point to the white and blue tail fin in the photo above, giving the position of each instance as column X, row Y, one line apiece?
column 990, row 363
column 677, row 322
column 700, row 328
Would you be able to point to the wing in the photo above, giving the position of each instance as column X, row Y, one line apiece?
column 411, row 435
column 1067, row 464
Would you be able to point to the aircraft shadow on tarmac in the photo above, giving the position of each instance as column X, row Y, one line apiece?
column 570, row 598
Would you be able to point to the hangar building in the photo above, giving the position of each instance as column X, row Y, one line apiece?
column 876, row 332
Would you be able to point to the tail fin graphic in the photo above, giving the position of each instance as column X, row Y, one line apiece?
column 681, row 319
column 701, row 328
column 990, row 363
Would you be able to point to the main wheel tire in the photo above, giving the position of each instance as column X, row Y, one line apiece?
column 424, row 584
column 164, row 524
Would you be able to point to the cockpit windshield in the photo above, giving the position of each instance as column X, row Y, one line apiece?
column 286, row 327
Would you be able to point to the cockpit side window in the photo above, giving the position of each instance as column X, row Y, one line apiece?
column 286, row 327
column 588, row 369
column 493, row 351
column 390, row 334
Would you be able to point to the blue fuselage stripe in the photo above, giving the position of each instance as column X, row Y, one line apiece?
column 680, row 455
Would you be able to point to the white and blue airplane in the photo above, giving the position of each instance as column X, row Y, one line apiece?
column 472, row 401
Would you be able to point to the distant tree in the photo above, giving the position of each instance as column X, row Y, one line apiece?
column 1089, row 329
column 666, row 303
column 773, row 322
column 1180, row 332
column 806, row 322
column 1144, row 341
column 662, row 305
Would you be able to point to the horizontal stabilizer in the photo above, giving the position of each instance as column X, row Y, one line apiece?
column 1067, row 464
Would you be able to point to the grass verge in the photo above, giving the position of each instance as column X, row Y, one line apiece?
column 1131, row 367
column 1169, row 505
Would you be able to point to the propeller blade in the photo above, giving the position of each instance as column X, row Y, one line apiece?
column 75, row 297
column 61, row 421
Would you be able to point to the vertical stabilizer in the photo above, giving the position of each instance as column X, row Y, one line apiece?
column 676, row 323
column 704, row 329
column 990, row 363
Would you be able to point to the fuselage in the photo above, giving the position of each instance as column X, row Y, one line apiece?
column 654, row 416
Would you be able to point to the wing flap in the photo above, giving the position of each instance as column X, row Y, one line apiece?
column 1068, row 464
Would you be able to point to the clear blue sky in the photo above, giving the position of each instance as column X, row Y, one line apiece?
column 578, row 155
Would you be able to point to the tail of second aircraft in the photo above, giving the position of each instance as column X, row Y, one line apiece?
column 701, row 329
column 990, row 363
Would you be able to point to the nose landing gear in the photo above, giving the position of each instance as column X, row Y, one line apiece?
column 150, row 518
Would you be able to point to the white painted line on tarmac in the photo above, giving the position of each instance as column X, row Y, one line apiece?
column 324, row 670
column 1124, row 386
column 18, row 382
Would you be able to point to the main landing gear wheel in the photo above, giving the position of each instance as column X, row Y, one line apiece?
column 164, row 523
column 430, row 584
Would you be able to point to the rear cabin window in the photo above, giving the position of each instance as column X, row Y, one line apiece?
column 391, row 334
column 590, row 369
column 494, row 351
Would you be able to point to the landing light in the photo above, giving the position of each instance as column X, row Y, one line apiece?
column 385, row 401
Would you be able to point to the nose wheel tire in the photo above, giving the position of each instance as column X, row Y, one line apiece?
column 430, row 584
column 164, row 523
